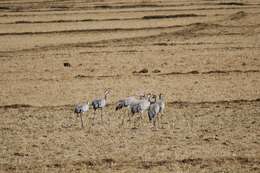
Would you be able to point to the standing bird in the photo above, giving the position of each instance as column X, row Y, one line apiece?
column 81, row 109
column 125, row 103
column 141, row 105
column 161, row 103
column 153, row 111
column 100, row 103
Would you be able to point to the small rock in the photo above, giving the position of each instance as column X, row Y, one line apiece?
column 243, row 64
column 145, row 70
column 156, row 71
column 66, row 64
column 79, row 76
column 164, row 64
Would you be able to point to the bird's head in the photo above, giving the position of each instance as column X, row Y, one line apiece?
column 107, row 92
column 161, row 96
column 148, row 95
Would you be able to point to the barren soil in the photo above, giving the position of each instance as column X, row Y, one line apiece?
column 203, row 55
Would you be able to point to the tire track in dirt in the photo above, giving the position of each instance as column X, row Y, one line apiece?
column 176, row 103
column 199, row 25
column 111, row 19
column 40, row 13
column 194, row 27
column 187, row 31
column 111, row 163
column 46, row 7
column 117, row 165
column 88, row 30
column 194, row 72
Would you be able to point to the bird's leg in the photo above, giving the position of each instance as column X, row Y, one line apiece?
column 154, row 121
column 101, row 114
column 139, row 119
column 134, row 121
column 158, row 121
column 131, row 118
column 128, row 114
column 142, row 119
column 161, row 116
column 93, row 119
column 81, row 120
column 122, row 122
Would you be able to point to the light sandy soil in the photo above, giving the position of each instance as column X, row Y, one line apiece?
column 207, row 58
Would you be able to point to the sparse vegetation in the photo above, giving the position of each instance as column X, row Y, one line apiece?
column 202, row 55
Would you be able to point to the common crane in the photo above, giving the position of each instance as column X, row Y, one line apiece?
column 81, row 109
column 125, row 102
column 161, row 103
column 141, row 105
column 153, row 111
column 100, row 103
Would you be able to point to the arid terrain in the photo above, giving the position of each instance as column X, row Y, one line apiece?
column 203, row 55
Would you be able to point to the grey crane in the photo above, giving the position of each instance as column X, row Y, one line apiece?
column 153, row 111
column 161, row 103
column 141, row 105
column 125, row 102
column 100, row 103
column 81, row 109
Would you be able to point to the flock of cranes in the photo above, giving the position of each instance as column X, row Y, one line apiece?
column 152, row 104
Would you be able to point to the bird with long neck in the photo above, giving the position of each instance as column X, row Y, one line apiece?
column 153, row 111
column 81, row 109
column 100, row 103
column 140, row 106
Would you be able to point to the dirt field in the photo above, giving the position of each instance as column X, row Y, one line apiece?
column 203, row 55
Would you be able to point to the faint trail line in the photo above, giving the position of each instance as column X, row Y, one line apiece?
column 185, row 103
column 209, row 72
column 114, row 164
column 89, row 30
column 117, row 76
column 125, row 10
column 178, row 103
column 194, row 27
column 103, row 43
column 110, row 19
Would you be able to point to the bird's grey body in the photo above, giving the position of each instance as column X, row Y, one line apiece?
column 100, row 104
column 139, row 106
column 153, row 111
column 156, row 108
column 144, row 104
column 126, row 102
column 81, row 109
column 135, row 108
column 161, row 103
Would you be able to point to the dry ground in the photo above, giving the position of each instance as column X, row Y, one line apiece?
column 203, row 55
